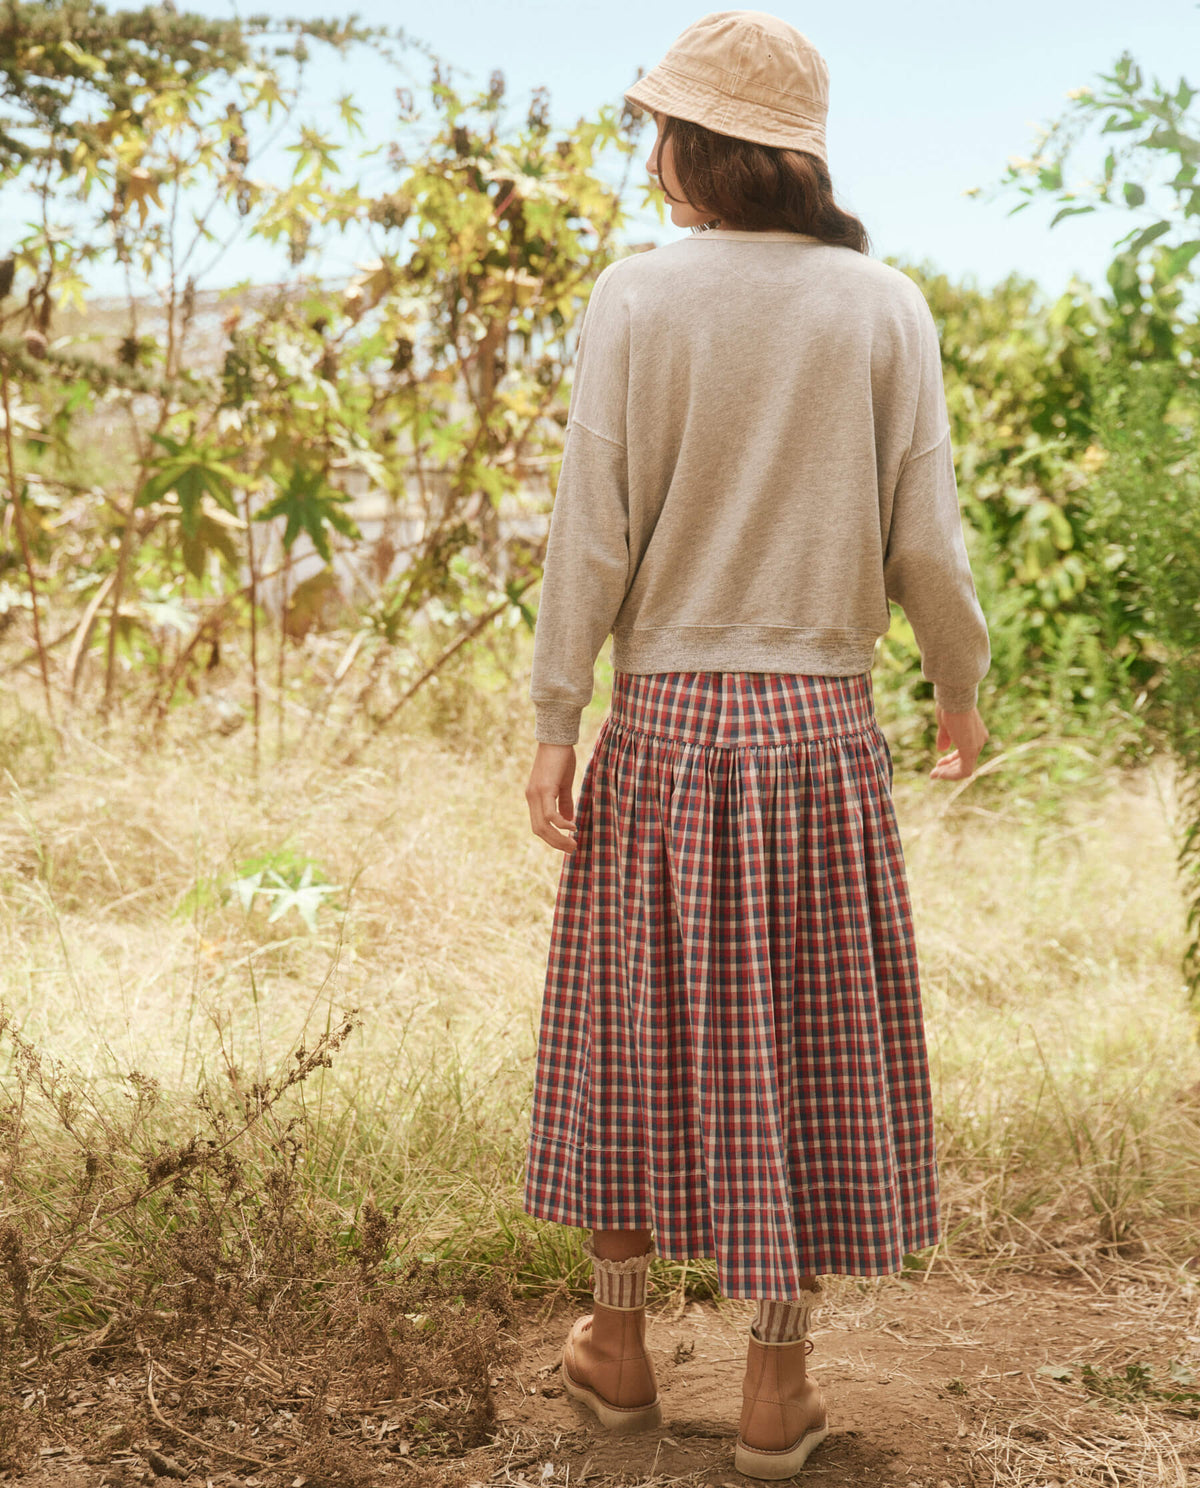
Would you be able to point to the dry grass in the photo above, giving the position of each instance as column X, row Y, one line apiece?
column 1066, row 1064
column 152, row 996
column 1067, row 1072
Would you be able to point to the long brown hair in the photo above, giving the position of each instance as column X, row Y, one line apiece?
column 757, row 187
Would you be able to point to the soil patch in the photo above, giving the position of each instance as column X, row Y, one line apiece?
column 934, row 1383
column 941, row 1381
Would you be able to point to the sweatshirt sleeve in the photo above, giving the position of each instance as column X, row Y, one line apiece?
column 926, row 569
column 587, row 557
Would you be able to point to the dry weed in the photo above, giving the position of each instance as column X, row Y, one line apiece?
column 201, row 1265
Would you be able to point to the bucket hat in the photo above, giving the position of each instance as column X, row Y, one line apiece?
column 746, row 74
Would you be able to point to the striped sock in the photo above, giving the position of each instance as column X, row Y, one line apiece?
column 620, row 1285
column 784, row 1322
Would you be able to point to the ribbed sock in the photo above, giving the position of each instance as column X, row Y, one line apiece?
column 785, row 1322
column 620, row 1284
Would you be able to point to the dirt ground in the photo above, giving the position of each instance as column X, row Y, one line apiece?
column 928, row 1383
column 1045, row 1381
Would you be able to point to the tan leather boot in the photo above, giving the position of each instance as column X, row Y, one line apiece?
column 614, row 1379
column 783, row 1411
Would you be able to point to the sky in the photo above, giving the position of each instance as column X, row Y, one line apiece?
column 927, row 100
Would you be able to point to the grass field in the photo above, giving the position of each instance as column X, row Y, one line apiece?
column 332, row 978
column 1067, row 1073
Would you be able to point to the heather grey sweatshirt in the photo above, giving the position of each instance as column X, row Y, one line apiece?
column 757, row 459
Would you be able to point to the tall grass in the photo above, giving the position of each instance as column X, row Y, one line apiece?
column 382, row 1061
column 1064, row 1055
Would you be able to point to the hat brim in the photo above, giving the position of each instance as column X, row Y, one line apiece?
column 662, row 91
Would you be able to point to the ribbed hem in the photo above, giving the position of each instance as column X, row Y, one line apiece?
column 737, row 648
column 956, row 699
column 744, row 648
column 556, row 723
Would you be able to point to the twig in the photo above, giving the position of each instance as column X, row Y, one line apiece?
column 23, row 661
column 117, row 594
column 23, row 537
column 187, row 1435
column 435, row 667
column 83, row 632
column 331, row 1040
column 342, row 671
column 256, row 693
column 271, row 1375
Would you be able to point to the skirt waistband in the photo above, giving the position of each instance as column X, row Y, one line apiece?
column 729, row 709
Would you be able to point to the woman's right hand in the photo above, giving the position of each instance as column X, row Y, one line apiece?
column 548, row 795
column 967, row 733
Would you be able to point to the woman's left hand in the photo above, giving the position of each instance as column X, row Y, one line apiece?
column 551, row 806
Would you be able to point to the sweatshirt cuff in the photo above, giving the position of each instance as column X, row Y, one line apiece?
column 956, row 699
column 556, row 723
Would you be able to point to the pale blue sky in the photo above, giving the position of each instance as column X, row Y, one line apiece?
column 927, row 99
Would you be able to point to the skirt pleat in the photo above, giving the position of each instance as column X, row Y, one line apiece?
column 732, row 1051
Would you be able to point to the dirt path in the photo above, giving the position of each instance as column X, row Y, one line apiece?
column 1015, row 1382
column 928, row 1383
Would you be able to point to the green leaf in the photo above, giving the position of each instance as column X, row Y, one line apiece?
column 446, row 440
column 208, row 537
column 1181, row 257
column 194, row 554
column 1174, row 143
column 493, row 482
column 82, row 58
column 350, row 113
column 309, row 504
column 189, row 471
column 78, row 395
column 1147, row 236
column 1070, row 212
column 515, row 597
column 1134, row 194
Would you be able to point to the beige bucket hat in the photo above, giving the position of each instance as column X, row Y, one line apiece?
column 745, row 74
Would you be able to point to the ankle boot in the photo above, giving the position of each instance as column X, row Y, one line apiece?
column 783, row 1411
column 617, row 1383
column 612, row 1374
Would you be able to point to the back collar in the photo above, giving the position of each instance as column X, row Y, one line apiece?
column 774, row 235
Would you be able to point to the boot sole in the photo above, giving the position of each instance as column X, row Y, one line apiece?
column 756, row 1463
column 621, row 1420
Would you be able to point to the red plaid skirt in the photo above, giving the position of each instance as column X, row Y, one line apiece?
column 731, row 1048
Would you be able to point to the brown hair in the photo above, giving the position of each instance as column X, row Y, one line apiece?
column 757, row 187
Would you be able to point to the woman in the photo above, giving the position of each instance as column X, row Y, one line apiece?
column 732, row 1060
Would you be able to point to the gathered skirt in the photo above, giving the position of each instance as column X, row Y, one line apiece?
column 731, row 1049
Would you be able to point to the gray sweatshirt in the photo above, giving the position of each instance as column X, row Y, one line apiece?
column 757, row 458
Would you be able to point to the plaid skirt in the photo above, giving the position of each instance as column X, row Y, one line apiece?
column 731, row 1050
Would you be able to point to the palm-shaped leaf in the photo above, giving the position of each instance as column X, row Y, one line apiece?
column 189, row 470
column 308, row 503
